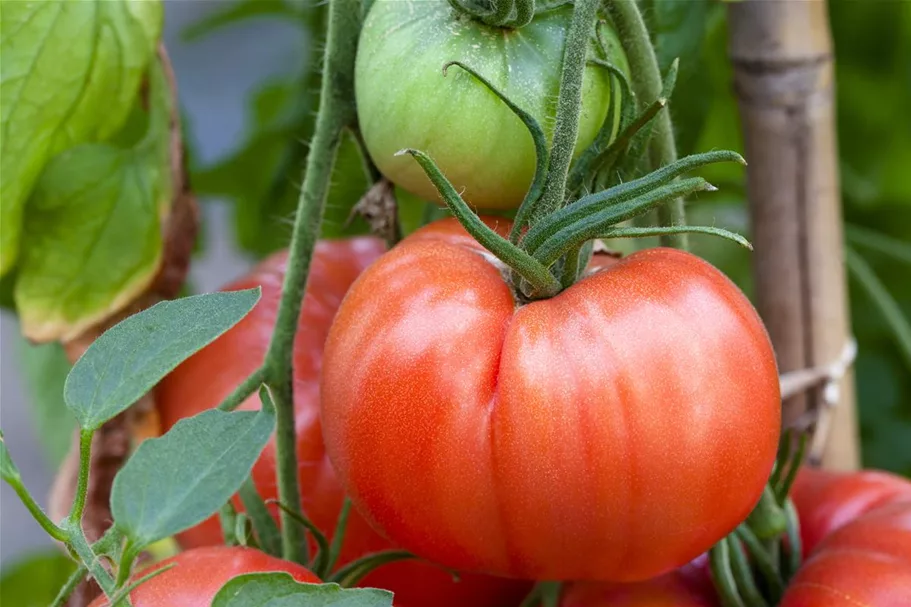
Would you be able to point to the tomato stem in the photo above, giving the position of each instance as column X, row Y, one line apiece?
column 740, row 567
column 82, row 484
column 74, row 580
column 542, row 281
column 80, row 546
column 795, row 543
column 587, row 205
column 722, row 576
column 647, row 85
column 244, row 390
column 595, row 224
column 355, row 571
column 569, row 108
column 541, row 152
column 772, row 577
column 336, row 111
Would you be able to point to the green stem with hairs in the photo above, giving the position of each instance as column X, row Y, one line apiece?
column 647, row 86
column 525, row 265
column 336, row 112
column 598, row 222
column 569, row 107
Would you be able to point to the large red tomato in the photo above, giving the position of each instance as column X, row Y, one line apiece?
column 827, row 500
column 209, row 376
column 866, row 562
column 613, row 432
column 199, row 574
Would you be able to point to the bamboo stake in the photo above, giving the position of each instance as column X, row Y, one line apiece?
column 783, row 76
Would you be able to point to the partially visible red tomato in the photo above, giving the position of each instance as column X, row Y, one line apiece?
column 613, row 432
column 199, row 574
column 206, row 378
column 827, row 500
column 689, row 586
column 864, row 563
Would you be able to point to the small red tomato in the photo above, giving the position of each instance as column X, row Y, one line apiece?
column 198, row 575
column 613, row 432
column 827, row 500
column 206, row 378
column 866, row 562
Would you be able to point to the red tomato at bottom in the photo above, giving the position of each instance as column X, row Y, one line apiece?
column 206, row 378
column 199, row 574
column 689, row 586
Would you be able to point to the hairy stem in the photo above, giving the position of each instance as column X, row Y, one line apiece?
column 569, row 107
column 647, row 87
column 82, row 485
column 336, row 111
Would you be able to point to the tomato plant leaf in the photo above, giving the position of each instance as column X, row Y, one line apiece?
column 94, row 230
column 35, row 580
column 45, row 367
column 280, row 590
column 178, row 480
column 70, row 74
column 132, row 356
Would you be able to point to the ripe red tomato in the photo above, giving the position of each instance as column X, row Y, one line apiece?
column 689, row 586
column 827, row 500
column 206, row 378
column 613, row 432
column 199, row 574
column 866, row 562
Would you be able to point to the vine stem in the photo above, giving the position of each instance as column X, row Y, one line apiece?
column 569, row 107
column 82, row 485
column 647, row 86
column 336, row 111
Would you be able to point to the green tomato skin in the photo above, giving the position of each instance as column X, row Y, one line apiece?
column 405, row 101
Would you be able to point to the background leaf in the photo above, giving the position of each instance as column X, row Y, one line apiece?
column 133, row 355
column 280, row 590
column 94, row 230
column 180, row 479
column 35, row 580
column 45, row 367
column 70, row 73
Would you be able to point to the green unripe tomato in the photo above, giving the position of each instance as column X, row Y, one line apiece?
column 405, row 101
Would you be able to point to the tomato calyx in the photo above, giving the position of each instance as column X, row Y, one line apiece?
column 569, row 204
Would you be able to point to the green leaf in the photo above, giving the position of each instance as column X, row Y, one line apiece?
column 45, row 367
column 132, row 356
column 35, row 580
column 69, row 75
column 94, row 228
column 180, row 479
column 280, row 590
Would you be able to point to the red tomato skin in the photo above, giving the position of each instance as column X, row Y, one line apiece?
column 564, row 439
column 827, row 500
column 689, row 586
column 205, row 379
column 864, row 563
column 199, row 574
